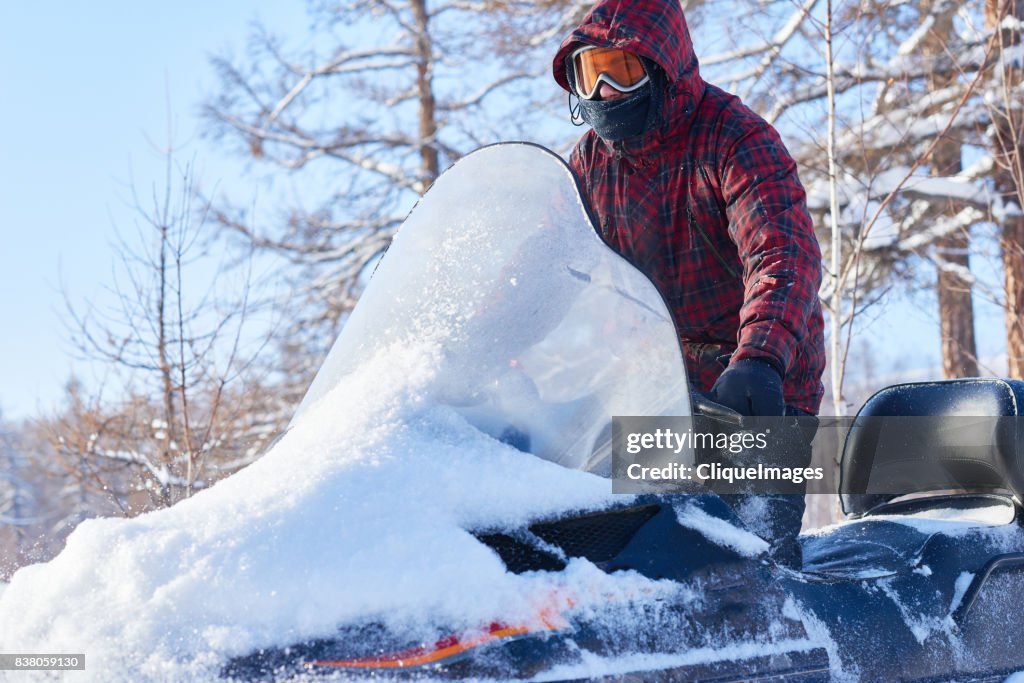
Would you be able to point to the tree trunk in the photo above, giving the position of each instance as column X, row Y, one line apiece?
column 164, row 358
column 1012, row 244
column 956, row 311
column 425, row 88
column 1008, row 153
column 956, row 307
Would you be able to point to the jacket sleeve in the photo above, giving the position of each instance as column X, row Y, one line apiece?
column 768, row 221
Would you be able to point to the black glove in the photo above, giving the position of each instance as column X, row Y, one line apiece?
column 750, row 387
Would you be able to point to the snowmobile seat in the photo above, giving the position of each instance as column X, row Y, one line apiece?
column 910, row 531
column 963, row 435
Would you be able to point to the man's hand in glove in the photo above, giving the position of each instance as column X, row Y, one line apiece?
column 750, row 387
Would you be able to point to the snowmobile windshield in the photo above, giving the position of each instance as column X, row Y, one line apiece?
column 542, row 333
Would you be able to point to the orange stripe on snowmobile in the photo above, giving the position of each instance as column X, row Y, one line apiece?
column 449, row 646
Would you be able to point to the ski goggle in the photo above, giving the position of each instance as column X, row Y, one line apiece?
column 620, row 69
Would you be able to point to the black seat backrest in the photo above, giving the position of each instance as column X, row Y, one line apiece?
column 932, row 436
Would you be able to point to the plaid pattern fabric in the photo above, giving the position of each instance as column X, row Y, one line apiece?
column 710, row 207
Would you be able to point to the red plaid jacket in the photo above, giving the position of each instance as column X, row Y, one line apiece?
column 710, row 207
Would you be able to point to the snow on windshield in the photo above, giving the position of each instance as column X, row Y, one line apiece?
column 359, row 513
column 546, row 332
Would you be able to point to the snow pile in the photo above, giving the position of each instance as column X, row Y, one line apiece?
column 359, row 513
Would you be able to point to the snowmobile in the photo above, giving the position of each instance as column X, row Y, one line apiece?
column 550, row 332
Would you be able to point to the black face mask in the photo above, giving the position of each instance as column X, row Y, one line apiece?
column 620, row 118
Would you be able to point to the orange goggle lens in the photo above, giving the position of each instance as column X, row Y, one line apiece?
column 621, row 70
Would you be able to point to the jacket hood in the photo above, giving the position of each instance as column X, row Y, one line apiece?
column 655, row 29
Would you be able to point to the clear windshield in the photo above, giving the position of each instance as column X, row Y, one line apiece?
column 545, row 332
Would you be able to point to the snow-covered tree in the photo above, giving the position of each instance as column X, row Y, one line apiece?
column 918, row 87
column 1003, row 96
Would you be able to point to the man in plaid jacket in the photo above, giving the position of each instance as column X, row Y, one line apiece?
column 699, row 193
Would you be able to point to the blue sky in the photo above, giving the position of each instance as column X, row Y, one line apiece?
column 85, row 88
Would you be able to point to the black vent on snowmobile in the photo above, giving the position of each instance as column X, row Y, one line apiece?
column 519, row 556
column 599, row 536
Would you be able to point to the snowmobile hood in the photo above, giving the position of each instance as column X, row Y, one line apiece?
column 655, row 30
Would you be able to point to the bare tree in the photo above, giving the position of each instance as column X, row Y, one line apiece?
column 174, row 346
column 836, row 300
column 16, row 499
column 37, row 499
column 386, row 95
